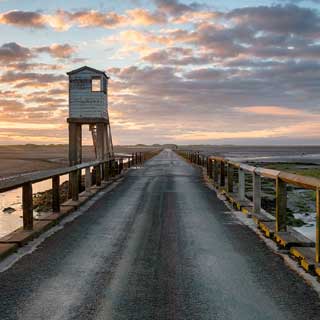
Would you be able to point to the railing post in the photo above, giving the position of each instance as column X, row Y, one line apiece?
column 56, row 193
column 281, row 205
column 241, row 185
column 88, row 179
column 216, row 172
column 27, row 206
column 318, row 225
column 106, row 171
column 120, row 165
column 74, row 183
column 230, row 173
column 222, row 173
column 110, row 168
column 209, row 164
column 98, row 175
column 256, row 192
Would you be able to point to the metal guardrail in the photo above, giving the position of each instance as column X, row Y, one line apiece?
column 103, row 171
column 220, row 169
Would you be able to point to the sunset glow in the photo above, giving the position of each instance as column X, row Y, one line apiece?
column 181, row 71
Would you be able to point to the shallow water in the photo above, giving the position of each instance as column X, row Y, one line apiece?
column 13, row 199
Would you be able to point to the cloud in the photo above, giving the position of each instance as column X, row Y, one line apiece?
column 174, row 7
column 278, row 19
column 197, row 78
column 146, row 18
column 30, row 79
column 10, row 106
column 23, row 19
column 272, row 111
column 12, row 52
column 62, row 51
column 63, row 20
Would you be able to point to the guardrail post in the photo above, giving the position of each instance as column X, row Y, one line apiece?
column 74, row 183
column 56, row 193
column 241, row 185
column 215, row 172
column 222, row 173
column 27, row 206
column 318, row 225
column 281, row 205
column 209, row 169
column 110, row 168
column 230, row 174
column 98, row 175
column 106, row 171
column 88, row 179
column 256, row 192
column 120, row 165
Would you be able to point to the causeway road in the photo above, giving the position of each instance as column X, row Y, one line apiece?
column 159, row 245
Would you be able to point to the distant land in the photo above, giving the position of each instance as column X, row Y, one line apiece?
column 16, row 159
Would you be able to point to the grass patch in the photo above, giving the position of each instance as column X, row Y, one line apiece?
column 312, row 171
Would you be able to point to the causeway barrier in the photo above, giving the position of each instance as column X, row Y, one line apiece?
column 229, row 178
column 98, row 175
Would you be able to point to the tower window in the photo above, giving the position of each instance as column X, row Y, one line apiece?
column 96, row 84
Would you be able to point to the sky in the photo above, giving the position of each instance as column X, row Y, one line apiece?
column 184, row 72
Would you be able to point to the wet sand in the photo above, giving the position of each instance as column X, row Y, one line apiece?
column 299, row 154
column 27, row 158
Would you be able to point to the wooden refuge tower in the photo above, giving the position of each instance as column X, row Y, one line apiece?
column 88, row 105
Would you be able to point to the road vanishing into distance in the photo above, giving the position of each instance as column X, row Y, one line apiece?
column 159, row 245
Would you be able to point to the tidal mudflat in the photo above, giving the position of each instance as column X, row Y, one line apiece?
column 21, row 159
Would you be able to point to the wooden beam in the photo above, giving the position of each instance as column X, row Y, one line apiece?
column 27, row 206
column 56, row 194
column 100, row 141
column 210, row 168
column 74, row 185
column 222, row 173
column 75, row 143
column 256, row 192
column 215, row 172
column 281, row 205
column 230, row 173
column 318, row 225
column 98, row 175
column 88, row 179
column 241, row 185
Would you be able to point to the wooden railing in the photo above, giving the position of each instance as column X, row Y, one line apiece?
column 221, row 171
column 102, row 171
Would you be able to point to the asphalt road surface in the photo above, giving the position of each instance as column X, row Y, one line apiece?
column 160, row 245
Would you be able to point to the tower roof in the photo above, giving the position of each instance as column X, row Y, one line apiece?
column 87, row 68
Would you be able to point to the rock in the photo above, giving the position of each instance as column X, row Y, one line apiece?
column 8, row 210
